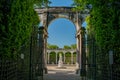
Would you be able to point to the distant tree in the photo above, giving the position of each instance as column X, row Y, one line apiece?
column 52, row 57
column 42, row 3
column 73, row 46
column 49, row 46
column 67, row 47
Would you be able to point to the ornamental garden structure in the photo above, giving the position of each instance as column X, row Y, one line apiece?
column 68, row 56
column 46, row 16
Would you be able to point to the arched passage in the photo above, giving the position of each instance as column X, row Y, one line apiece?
column 68, row 58
column 46, row 15
column 62, row 31
column 52, row 57
column 58, row 56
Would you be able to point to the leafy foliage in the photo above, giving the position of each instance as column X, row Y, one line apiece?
column 52, row 57
column 67, row 47
column 17, row 19
column 49, row 46
column 73, row 46
column 42, row 3
column 103, row 29
column 103, row 22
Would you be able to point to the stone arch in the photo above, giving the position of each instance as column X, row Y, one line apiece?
column 63, row 19
column 67, row 19
column 68, row 57
column 48, row 14
column 74, row 57
column 52, row 57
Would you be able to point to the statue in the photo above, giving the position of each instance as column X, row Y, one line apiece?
column 60, row 62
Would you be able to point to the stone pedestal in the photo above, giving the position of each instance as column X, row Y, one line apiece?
column 60, row 63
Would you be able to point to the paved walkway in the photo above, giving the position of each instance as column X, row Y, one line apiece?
column 66, row 73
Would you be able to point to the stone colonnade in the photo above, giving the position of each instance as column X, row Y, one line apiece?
column 57, row 51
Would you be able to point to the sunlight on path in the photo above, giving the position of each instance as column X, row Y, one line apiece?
column 67, row 73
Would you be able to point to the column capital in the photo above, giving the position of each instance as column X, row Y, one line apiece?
column 43, row 30
column 82, row 30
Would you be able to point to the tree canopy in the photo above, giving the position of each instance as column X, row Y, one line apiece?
column 49, row 46
column 72, row 46
column 67, row 47
column 103, row 29
column 17, row 19
column 103, row 22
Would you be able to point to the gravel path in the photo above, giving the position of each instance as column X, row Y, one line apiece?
column 65, row 73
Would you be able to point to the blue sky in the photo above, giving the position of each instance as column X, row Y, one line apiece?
column 61, row 31
column 61, row 2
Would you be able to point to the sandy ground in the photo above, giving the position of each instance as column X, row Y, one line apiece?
column 64, row 73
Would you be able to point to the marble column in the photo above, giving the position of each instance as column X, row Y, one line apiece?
column 82, row 51
column 45, row 54
column 78, row 54
column 48, row 60
column 56, row 57
column 78, row 25
column 71, row 58
column 64, row 57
